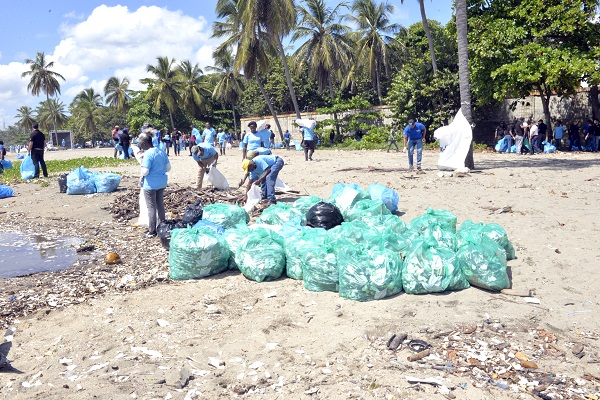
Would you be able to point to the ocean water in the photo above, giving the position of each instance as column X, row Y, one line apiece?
column 22, row 254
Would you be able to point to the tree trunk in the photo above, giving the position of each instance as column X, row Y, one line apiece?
column 234, row 120
column 594, row 101
column 463, row 71
column 53, row 120
column 335, row 116
column 268, row 101
column 377, row 82
column 288, row 78
column 171, row 117
column 545, row 96
column 429, row 37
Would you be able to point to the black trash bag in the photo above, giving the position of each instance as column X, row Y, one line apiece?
column 193, row 213
column 324, row 215
column 62, row 183
column 163, row 230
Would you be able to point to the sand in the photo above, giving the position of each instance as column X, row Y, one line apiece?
column 278, row 340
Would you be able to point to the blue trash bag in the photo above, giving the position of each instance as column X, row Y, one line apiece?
column 297, row 145
column 513, row 148
column 107, row 182
column 210, row 226
column 500, row 146
column 81, row 181
column 5, row 192
column 27, row 168
column 548, row 147
column 6, row 164
column 388, row 196
column 20, row 156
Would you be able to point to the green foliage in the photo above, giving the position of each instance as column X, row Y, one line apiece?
column 352, row 115
column 57, row 167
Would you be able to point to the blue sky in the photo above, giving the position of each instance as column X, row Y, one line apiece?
column 90, row 41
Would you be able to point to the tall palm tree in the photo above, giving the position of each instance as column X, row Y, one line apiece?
column 42, row 78
column 51, row 112
column 276, row 19
column 26, row 118
column 252, row 46
column 85, row 109
column 428, row 34
column 327, row 50
column 373, row 49
column 193, row 88
column 227, row 82
column 463, row 70
column 117, row 93
column 163, row 87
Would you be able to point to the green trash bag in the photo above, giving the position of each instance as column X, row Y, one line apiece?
column 492, row 230
column 233, row 237
column 483, row 262
column 365, row 209
column 345, row 196
column 279, row 214
column 387, row 222
column 429, row 269
column 444, row 218
column 294, row 246
column 360, row 232
column 196, row 253
column 437, row 236
column 319, row 262
column 226, row 215
column 303, row 204
column 260, row 255
column 369, row 274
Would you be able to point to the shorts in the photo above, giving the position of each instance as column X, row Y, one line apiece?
column 309, row 144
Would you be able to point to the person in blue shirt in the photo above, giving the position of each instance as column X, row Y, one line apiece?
column 265, row 135
column 194, row 137
column 222, row 139
column 209, row 135
column 206, row 156
column 308, row 141
column 559, row 131
column 263, row 171
column 414, row 134
column 155, row 165
column 252, row 140
column 287, row 137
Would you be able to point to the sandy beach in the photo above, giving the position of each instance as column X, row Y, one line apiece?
column 143, row 336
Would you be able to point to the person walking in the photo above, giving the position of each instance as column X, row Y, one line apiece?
column 263, row 171
column 287, row 137
column 194, row 136
column 155, row 165
column 574, row 140
column 222, row 139
column 519, row 135
column 176, row 139
column 414, row 135
column 332, row 138
column 167, row 141
column 206, row 156
column 37, row 144
column 533, row 138
column 308, row 141
column 392, row 139
column 209, row 135
column 125, row 141
column 116, row 142
column 559, row 131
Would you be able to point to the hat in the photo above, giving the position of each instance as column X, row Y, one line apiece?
column 251, row 154
column 195, row 149
column 245, row 165
column 117, row 126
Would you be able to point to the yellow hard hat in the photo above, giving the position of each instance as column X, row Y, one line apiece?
column 245, row 165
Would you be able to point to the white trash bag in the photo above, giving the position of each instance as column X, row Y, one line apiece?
column 217, row 179
column 455, row 142
column 307, row 123
column 281, row 186
column 254, row 196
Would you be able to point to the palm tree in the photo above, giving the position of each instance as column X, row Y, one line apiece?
column 463, row 70
column 43, row 79
column 51, row 112
column 117, row 93
column 86, row 108
column 276, row 19
column 373, row 49
column 227, row 82
column 163, row 87
column 252, row 47
column 193, row 88
column 25, row 117
column 327, row 50
column 428, row 34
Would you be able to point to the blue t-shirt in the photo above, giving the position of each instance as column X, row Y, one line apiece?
column 252, row 141
column 262, row 163
column 287, row 136
column 307, row 133
column 209, row 135
column 415, row 133
column 209, row 151
column 157, row 163
column 221, row 137
column 559, row 131
column 195, row 134
column 265, row 135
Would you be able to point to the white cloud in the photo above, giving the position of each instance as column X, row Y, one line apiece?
column 111, row 41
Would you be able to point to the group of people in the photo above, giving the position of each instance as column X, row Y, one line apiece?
column 579, row 137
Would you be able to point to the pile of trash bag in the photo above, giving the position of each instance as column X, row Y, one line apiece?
column 107, row 182
column 164, row 228
column 193, row 213
column 27, row 168
column 364, row 252
column 84, row 181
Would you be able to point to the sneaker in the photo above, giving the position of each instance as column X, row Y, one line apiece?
column 271, row 202
column 150, row 234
